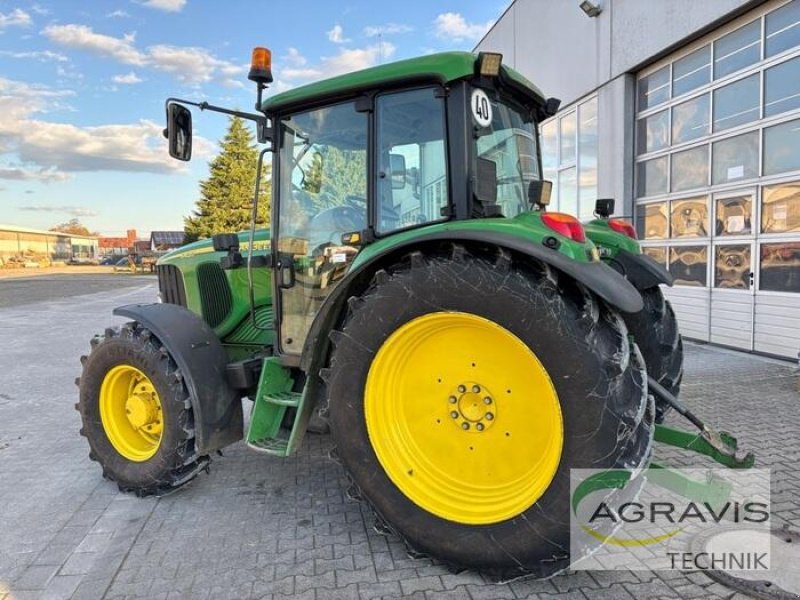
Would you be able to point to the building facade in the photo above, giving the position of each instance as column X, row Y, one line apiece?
column 688, row 113
column 20, row 244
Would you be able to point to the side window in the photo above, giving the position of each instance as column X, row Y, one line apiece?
column 411, row 186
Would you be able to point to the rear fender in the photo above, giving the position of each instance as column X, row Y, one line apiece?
column 197, row 351
column 601, row 279
column 640, row 269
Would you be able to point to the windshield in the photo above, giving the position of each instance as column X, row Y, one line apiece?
column 510, row 143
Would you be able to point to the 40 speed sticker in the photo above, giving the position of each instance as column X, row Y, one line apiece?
column 481, row 108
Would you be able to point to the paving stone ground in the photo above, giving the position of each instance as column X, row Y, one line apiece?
column 262, row 527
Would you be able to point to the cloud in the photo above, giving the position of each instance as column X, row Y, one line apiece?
column 347, row 60
column 52, row 150
column 128, row 79
column 72, row 211
column 40, row 55
column 453, row 27
column 193, row 65
column 16, row 18
column 336, row 35
column 189, row 65
column 294, row 58
column 165, row 5
column 40, row 10
column 81, row 37
column 15, row 173
column 118, row 14
column 388, row 29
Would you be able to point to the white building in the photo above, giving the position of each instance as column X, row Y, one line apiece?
column 688, row 113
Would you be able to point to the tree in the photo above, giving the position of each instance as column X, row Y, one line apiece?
column 226, row 197
column 75, row 227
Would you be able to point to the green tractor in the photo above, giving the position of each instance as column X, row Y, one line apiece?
column 467, row 348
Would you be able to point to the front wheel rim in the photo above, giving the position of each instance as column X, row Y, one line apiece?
column 463, row 418
column 131, row 413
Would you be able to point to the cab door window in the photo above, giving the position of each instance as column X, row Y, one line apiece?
column 411, row 159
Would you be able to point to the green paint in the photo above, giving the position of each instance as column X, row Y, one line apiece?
column 527, row 226
column 274, row 396
column 697, row 443
column 608, row 241
column 187, row 259
column 443, row 67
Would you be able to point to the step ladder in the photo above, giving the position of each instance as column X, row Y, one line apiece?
column 273, row 398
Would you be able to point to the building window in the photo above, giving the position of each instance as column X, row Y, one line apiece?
column 780, row 267
column 737, row 50
column 783, row 28
column 717, row 173
column 569, row 158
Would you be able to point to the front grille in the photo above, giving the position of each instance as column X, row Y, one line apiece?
column 215, row 293
column 170, row 284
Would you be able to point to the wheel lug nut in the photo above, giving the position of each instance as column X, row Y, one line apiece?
column 454, row 414
column 462, row 388
column 453, row 399
column 489, row 416
column 465, row 426
column 487, row 400
column 479, row 426
column 476, row 389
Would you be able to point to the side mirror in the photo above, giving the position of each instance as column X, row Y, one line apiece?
column 604, row 207
column 179, row 131
column 539, row 192
column 486, row 186
column 397, row 167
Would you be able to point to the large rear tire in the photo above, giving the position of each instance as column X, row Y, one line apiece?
column 137, row 414
column 463, row 390
column 655, row 331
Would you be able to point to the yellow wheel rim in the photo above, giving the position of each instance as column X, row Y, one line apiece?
column 130, row 411
column 463, row 418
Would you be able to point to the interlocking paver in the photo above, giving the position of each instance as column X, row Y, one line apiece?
column 260, row 527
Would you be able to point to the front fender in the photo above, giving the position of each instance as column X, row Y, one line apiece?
column 640, row 269
column 197, row 351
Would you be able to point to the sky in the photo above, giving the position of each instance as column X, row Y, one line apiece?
column 83, row 84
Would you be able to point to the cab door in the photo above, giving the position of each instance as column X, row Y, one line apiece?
column 322, row 169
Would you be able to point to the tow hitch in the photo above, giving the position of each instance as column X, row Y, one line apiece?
column 718, row 445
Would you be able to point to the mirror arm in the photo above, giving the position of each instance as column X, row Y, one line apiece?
column 264, row 132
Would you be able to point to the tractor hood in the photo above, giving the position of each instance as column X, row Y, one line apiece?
column 205, row 246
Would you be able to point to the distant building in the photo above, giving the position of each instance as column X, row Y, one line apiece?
column 166, row 240
column 117, row 246
column 24, row 244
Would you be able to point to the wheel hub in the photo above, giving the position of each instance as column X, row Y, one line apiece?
column 472, row 407
column 142, row 409
column 131, row 413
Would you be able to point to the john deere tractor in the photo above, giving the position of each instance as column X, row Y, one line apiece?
column 467, row 348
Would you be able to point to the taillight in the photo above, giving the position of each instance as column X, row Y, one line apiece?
column 565, row 224
column 623, row 227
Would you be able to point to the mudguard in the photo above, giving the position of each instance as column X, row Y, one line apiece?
column 640, row 269
column 601, row 279
column 197, row 351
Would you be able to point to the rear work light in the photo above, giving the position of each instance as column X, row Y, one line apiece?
column 566, row 225
column 623, row 227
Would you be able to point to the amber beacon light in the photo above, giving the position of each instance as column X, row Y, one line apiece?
column 261, row 66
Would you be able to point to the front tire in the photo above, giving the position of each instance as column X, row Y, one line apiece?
column 417, row 358
column 136, row 413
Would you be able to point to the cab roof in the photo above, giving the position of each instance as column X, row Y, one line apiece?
column 443, row 67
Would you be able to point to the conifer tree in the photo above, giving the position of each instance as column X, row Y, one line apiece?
column 226, row 197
